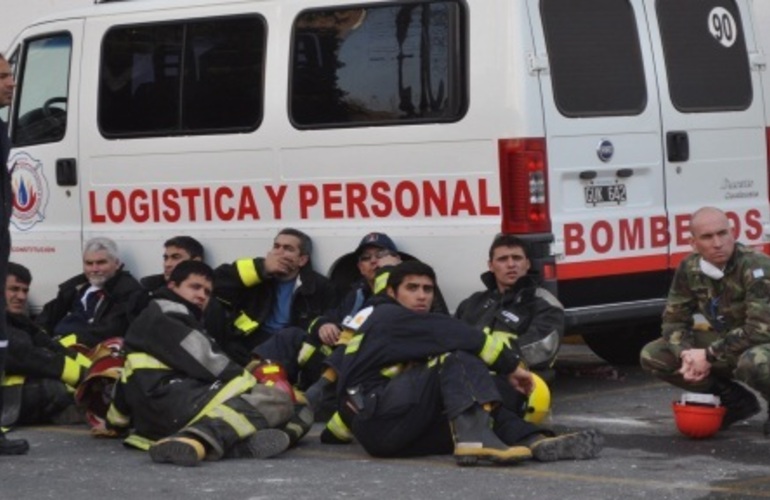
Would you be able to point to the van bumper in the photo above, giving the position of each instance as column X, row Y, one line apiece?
column 613, row 313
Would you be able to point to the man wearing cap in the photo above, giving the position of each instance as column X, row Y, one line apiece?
column 302, row 353
column 267, row 294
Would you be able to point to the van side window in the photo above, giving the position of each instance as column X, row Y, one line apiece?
column 706, row 57
column 43, row 88
column 379, row 65
column 199, row 76
column 595, row 58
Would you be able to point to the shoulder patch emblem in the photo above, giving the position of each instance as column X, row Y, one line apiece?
column 355, row 322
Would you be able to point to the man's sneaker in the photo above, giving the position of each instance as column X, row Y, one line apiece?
column 573, row 446
column 262, row 444
column 178, row 450
column 13, row 446
column 740, row 402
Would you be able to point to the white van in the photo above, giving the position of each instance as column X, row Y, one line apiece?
column 592, row 128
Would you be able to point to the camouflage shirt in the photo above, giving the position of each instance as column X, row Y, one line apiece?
column 736, row 306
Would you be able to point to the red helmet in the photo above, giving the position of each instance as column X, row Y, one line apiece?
column 698, row 420
column 273, row 374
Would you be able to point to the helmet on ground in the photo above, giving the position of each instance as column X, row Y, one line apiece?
column 539, row 404
column 698, row 419
column 272, row 374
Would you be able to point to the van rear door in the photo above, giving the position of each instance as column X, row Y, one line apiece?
column 604, row 153
column 712, row 110
column 46, row 219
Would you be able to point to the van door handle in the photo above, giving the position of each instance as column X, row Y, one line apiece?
column 66, row 172
column 678, row 146
column 624, row 173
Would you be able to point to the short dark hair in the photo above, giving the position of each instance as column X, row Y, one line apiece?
column 508, row 240
column 409, row 268
column 20, row 272
column 188, row 244
column 184, row 269
column 305, row 243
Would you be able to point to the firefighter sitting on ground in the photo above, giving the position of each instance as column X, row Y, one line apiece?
column 514, row 303
column 415, row 383
column 40, row 373
column 184, row 397
column 265, row 295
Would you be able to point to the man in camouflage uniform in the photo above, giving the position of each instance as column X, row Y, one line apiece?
column 729, row 285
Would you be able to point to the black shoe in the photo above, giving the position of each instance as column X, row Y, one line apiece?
column 13, row 446
column 265, row 443
column 741, row 403
column 573, row 446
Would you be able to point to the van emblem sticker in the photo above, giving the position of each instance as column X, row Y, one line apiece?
column 30, row 191
column 722, row 26
column 605, row 151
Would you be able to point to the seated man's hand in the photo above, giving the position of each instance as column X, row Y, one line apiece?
column 695, row 366
column 329, row 333
column 521, row 380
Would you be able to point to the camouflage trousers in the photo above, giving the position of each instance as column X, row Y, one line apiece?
column 752, row 366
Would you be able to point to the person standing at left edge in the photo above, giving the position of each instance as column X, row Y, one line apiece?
column 7, row 84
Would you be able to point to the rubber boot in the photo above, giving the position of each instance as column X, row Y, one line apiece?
column 572, row 446
column 262, row 444
column 475, row 440
column 741, row 403
column 178, row 450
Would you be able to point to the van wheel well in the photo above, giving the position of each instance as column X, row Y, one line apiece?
column 620, row 344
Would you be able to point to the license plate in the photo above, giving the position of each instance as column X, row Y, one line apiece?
column 609, row 194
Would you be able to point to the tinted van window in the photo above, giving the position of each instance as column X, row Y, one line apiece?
column 374, row 65
column 198, row 76
column 594, row 57
column 706, row 58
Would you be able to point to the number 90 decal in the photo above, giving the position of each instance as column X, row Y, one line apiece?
column 722, row 26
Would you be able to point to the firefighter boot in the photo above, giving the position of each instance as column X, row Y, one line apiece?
column 262, row 444
column 739, row 401
column 12, row 446
column 475, row 440
column 573, row 446
column 179, row 450
column 299, row 424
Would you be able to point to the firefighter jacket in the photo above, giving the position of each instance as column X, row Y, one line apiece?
column 174, row 372
column 249, row 295
column 214, row 317
column 31, row 351
column 526, row 310
column 388, row 334
column 111, row 318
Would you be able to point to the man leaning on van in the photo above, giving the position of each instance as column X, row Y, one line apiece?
column 266, row 294
column 96, row 304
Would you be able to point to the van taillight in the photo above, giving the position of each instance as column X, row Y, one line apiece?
column 524, row 186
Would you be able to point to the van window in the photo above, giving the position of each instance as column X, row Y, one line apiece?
column 706, row 58
column 199, row 76
column 594, row 57
column 379, row 65
column 43, row 86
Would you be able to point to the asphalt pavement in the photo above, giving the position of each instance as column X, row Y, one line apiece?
column 645, row 457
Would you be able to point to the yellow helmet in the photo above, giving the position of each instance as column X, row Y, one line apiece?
column 539, row 404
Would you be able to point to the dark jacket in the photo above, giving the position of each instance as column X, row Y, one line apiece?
column 112, row 316
column 530, row 312
column 250, row 302
column 173, row 369
column 31, row 351
column 391, row 334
